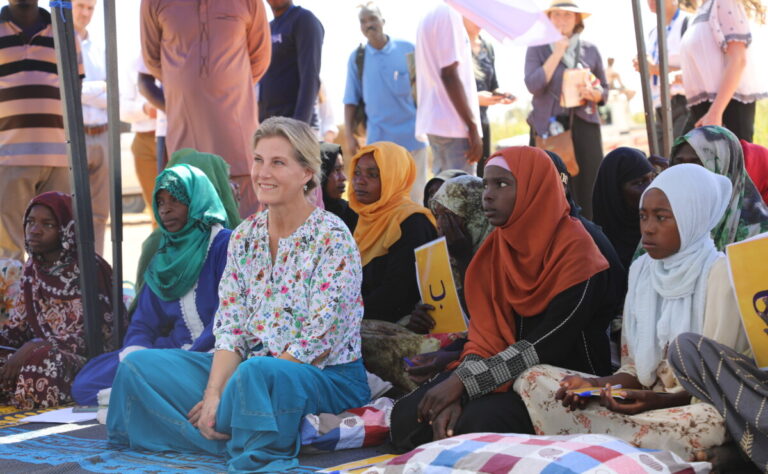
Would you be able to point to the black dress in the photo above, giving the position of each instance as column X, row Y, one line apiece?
column 485, row 78
column 341, row 208
column 390, row 290
column 569, row 333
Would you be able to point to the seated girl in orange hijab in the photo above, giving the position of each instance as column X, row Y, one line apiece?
column 537, row 290
column 390, row 226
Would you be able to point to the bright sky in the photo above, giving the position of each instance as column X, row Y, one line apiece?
column 610, row 27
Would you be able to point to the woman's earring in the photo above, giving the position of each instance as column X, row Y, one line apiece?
column 306, row 188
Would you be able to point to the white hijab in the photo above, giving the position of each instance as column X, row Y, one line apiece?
column 667, row 297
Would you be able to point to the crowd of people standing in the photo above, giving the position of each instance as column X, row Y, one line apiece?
column 266, row 276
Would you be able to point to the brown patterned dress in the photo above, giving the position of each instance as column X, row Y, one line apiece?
column 48, row 310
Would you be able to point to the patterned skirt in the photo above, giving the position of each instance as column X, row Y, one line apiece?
column 682, row 430
column 386, row 344
column 44, row 380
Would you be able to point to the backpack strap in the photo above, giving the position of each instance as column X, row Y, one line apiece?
column 360, row 62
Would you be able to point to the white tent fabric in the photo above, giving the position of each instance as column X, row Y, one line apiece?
column 520, row 22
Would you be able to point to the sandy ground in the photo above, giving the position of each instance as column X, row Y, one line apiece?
column 136, row 228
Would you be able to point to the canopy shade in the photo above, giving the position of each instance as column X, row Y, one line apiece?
column 520, row 22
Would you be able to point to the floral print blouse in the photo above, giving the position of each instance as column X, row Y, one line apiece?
column 308, row 303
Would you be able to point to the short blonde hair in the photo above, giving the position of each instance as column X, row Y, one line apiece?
column 301, row 138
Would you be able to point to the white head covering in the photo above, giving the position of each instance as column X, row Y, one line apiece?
column 667, row 297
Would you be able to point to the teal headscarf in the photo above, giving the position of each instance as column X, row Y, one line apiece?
column 217, row 171
column 176, row 266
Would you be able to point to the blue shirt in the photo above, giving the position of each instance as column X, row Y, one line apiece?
column 386, row 90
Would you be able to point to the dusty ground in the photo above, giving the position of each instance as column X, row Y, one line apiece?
column 136, row 228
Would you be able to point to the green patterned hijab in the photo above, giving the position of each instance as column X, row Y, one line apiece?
column 463, row 196
column 720, row 152
column 176, row 265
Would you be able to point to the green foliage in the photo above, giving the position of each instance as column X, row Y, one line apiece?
column 514, row 123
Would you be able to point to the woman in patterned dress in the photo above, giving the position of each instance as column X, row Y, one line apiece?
column 287, row 329
column 44, row 339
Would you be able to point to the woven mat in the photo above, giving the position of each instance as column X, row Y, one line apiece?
column 86, row 450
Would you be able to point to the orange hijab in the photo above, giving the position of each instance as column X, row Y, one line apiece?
column 378, row 226
column 522, row 265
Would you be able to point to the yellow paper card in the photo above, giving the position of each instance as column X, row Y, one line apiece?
column 436, row 285
column 749, row 277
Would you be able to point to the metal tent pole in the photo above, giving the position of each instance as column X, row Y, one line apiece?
column 70, row 89
column 116, row 185
column 666, row 104
column 650, row 119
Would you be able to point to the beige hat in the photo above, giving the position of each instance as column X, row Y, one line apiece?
column 567, row 5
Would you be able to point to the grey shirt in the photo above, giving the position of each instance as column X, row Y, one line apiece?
column 546, row 96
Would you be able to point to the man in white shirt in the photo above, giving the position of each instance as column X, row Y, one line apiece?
column 448, row 110
column 94, row 98
column 677, row 24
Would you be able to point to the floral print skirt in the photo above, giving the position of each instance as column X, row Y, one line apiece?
column 682, row 430
column 10, row 276
column 44, row 381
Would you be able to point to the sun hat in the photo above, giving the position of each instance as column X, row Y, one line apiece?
column 567, row 5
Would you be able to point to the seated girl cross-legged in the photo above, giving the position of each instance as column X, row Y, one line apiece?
column 457, row 206
column 175, row 308
column 44, row 341
column 537, row 290
column 287, row 329
column 679, row 285
column 389, row 227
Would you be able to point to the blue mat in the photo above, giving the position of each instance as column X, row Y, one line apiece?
column 97, row 456
column 86, row 450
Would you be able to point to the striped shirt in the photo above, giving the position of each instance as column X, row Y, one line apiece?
column 31, row 120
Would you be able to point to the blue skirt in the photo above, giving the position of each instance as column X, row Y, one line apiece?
column 261, row 406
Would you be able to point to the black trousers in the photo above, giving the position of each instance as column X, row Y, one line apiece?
column 486, row 127
column 738, row 117
column 680, row 115
column 588, row 147
column 494, row 413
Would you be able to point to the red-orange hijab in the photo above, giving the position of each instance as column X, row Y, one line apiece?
column 522, row 265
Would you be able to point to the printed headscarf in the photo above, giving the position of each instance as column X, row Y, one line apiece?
column 720, row 152
column 463, row 196
column 47, row 288
column 441, row 177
